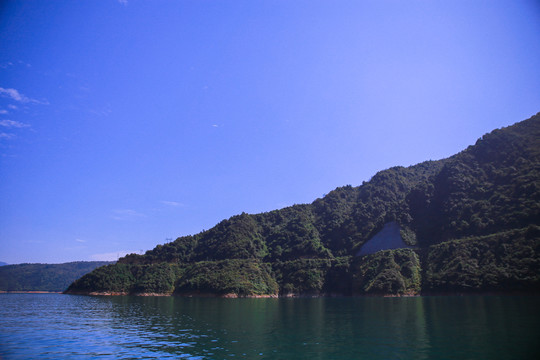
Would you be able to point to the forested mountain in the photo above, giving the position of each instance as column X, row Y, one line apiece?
column 44, row 277
column 468, row 223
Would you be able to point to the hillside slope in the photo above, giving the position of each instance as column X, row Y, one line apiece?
column 44, row 277
column 469, row 223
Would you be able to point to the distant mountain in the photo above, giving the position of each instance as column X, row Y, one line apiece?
column 3, row 263
column 44, row 277
column 468, row 223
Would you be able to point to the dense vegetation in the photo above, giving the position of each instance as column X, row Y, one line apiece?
column 506, row 261
column 470, row 221
column 44, row 277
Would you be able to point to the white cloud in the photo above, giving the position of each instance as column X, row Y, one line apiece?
column 3, row 112
column 13, row 124
column 12, row 107
column 126, row 214
column 123, row 2
column 14, row 94
column 23, row 63
column 111, row 256
column 171, row 203
column 215, row 125
column 6, row 136
column 17, row 96
column 101, row 112
column 80, row 240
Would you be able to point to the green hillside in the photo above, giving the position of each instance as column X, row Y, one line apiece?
column 44, row 277
column 469, row 223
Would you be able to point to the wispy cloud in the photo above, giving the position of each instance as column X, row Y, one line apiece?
column 172, row 203
column 80, row 240
column 123, row 2
column 17, row 96
column 24, row 63
column 101, row 112
column 215, row 125
column 13, row 94
column 4, row 135
column 10, row 64
column 111, row 256
column 126, row 214
column 13, row 124
column 3, row 112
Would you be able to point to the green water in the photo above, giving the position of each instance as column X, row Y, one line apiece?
column 49, row 326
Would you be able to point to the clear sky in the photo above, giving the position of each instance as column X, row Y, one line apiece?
column 127, row 123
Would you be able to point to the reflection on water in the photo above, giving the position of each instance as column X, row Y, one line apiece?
column 60, row 326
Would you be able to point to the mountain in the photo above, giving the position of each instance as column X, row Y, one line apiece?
column 468, row 223
column 3, row 263
column 44, row 277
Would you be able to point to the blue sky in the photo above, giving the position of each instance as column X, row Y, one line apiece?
column 126, row 123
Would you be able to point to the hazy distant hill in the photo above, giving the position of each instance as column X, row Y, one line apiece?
column 467, row 223
column 44, row 277
column 3, row 263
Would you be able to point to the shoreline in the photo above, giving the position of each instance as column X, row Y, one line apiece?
column 30, row 292
column 297, row 296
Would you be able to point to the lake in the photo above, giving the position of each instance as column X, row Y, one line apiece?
column 54, row 326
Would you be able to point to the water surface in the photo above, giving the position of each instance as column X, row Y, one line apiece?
column 53, row 326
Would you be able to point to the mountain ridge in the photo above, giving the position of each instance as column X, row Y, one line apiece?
column 488, row 189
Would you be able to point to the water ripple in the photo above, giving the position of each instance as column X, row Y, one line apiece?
column 48, row 326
